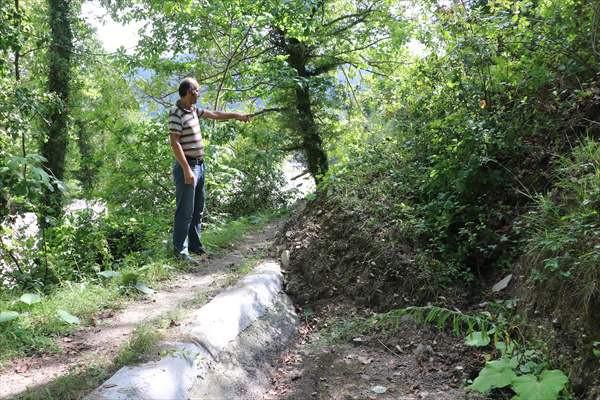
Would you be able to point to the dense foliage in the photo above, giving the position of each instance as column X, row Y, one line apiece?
column 472, row 157
column 90, row 136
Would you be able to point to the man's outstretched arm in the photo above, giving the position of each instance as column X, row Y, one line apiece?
column 222, row 115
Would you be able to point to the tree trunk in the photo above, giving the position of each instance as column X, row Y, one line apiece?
column 59, row 73
column 311, row 141
column 312, row 144
column 87, row 166
column 17, row 53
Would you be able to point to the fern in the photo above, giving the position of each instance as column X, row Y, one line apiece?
column 390, row 323
column 441, row 317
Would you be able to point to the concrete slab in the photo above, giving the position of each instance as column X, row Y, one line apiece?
column 169, row 378
column 245, row 366
column 213, row 327
column 234, row 309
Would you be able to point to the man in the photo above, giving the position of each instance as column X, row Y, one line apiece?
column 188, row 170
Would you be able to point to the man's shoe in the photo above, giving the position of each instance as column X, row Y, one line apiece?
column 200, row 255
column 186, row 259
column 199, row 252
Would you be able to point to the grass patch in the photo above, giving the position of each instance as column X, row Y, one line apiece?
column 242, row 269
column 142, row 346
column 563, row 249
column 391, row 323
column 166, row 321
column 221, row 236
column 38, row 324
column 80, row 381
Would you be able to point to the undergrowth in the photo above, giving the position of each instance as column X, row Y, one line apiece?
column 390, row 323
column 512, row 362
column 38, row 324
column 34, row 331
column 563, row 250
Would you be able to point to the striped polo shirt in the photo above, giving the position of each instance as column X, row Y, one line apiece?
column 185, row 122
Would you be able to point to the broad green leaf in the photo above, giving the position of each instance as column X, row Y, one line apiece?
column 30, row 298
column 143, row 288
column 528, row 367
column 504, row 348
column 549, row 385
column 109, row 274
column 496, row 374
column 68, row 318
column 477, row 339
column 6, row 316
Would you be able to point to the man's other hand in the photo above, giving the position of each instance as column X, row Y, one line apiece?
column 188, row 176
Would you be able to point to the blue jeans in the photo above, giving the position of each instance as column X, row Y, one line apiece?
column 189, row 208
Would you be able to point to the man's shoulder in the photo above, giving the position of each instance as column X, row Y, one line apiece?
column 175, row 110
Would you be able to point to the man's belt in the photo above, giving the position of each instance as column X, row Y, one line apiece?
column 194, row 160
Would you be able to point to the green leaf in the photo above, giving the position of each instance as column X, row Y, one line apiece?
column 141, row 286
column 129, row 278
column 109, row 274
column 496, row 374
column 505, row 349
column 68, row 318
column 477, row 339
column 30, row 298
column 549, row 385
column 6, row 316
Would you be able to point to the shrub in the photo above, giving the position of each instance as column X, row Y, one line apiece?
column 563, row 248
column 77, row 247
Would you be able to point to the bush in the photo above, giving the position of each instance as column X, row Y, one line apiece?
column 563, row 248
column 260, row 182
column 78, row 247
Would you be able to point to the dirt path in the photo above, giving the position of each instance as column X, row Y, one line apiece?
column 416, row 363
column 357, row 367
column 113, row 329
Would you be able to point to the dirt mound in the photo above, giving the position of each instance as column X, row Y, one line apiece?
column 334, row 252
column 337, row 255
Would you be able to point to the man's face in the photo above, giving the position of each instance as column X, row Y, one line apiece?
column 194, row 93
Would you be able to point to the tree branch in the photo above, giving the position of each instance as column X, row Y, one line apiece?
column 292, row 147
column 229, row 62
column 266, row 110
column 246, row 89
column 305, row 172
column 360, row 14
column 326, row 67
column 12, row 256
column 374, row 42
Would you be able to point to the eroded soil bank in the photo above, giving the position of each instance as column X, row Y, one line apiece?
column 339, row 258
